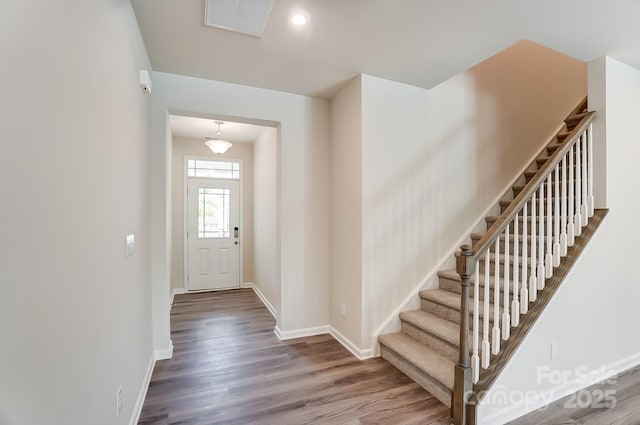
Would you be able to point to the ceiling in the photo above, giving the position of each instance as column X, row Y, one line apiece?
column 417, row 42
column 199, row 128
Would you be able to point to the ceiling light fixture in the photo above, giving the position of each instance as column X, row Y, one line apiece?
column 216, row 145
column 299, row 18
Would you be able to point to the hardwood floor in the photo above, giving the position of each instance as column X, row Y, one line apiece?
column 591, row 407
column 228, row 367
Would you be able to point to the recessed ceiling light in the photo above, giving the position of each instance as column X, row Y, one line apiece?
column 299, row 18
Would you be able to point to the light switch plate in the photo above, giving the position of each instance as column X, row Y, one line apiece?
column 130, row 245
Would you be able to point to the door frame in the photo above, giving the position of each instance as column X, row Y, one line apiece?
column 185, row 225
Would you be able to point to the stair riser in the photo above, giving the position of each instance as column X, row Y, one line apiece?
column 451, row 314
column 430, row 340
column 429, row 383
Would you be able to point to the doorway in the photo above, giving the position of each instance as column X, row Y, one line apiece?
column 213, row 233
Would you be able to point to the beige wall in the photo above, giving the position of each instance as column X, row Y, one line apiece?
column 432, row 161
column 346, row 211
column 435, row 160
column 75, row 313
column 266, row 268
column 189, row 147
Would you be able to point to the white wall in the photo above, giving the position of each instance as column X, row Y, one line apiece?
column 75, row 313
column 593, row 317
column 346, row 211
column 303, row 189
column 266, row 249
column 189, row 147
column 434, row 160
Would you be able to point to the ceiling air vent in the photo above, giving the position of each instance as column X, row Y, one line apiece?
column 243, row 16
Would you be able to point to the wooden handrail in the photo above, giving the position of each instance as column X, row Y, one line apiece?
column 509, row 214
column 467, row 260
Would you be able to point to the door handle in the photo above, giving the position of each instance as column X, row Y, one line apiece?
column 235, row 232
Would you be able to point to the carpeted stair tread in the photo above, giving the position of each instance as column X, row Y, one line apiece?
column 451, row 300
column 435, row 325
column 422, row 357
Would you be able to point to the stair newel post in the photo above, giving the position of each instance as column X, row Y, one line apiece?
column 462, row 387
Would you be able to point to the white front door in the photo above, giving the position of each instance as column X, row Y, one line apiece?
column 213, row 242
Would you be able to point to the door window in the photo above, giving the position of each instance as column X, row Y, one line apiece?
column 213, row 213
column 213, row 169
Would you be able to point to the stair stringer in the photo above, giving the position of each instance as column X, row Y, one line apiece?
column 485, row 388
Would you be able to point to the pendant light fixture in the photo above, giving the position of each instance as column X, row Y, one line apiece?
column 217, row 145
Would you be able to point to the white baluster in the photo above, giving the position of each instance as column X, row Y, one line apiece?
column 556, row 218
column 541, row 272
column 524, row 291
column 590, row 199
column 515, row 304
column 533, row 281
column 563, row 213
column 475, row 359
column 584, row 208
column 496, row 299
column 548, row 259
column 486, row 348
column 571, row 231
column 506, row 318
column 578, row 219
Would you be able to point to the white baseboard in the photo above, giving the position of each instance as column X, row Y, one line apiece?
column 321, row 330
column 142, row 394
column 349, row 345
column 513, row 411
column 176, row 291
column 165, row 354
column 300, row 333
column 264, row 299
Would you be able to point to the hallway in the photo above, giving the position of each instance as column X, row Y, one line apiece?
column 228, row 367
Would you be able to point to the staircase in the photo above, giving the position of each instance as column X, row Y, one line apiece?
column 427, row 348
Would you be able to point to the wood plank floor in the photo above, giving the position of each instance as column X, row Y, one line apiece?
column 590, row 407
column 228, row 367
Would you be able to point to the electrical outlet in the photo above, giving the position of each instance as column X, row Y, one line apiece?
column 343, row 310
column 119, row 401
